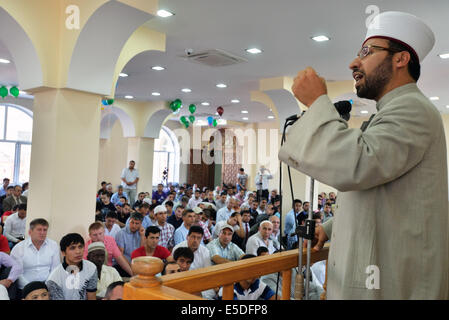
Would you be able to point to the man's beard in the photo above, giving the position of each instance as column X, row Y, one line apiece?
column 376, row 82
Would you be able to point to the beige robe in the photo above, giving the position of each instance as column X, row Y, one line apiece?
column 393, row 199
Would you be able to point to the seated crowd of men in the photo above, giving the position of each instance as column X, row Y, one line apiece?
column 186, row 227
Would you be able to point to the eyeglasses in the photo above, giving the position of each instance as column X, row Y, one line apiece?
column 366, row 50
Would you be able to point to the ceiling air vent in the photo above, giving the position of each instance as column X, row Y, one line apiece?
column 214, row 58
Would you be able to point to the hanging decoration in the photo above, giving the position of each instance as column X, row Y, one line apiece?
column 192, row 119
column 14, row 91
column 210, row 121
column 107, row 102
column 215, row 123
column 184, row 121
column 192, row 108
column 3, row 92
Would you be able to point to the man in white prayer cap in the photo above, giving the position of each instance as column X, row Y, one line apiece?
column 389, row 238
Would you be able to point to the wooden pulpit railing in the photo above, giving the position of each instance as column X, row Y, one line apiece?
column 187, row 285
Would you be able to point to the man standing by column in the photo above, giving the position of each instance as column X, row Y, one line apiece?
column 262, row 177
column 130, row 177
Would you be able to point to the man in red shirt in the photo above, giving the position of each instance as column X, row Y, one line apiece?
column 4, row 247
column 151, row 248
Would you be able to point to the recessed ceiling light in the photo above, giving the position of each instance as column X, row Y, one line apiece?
column 253, row 50
column 320, row 38
column 270, row 117
column 155, row 94
column 123, row 75
column 164, row 13
column 235, row 101
column 4, row 61
column 187, row 90
column 447, row 106
column 205, row 103
column 221, row 85
column 444, row 56
column 244, row 111
column 244, row 118
column 158, row 68
column 434, row 98
column 364, row 111
column 129, row 97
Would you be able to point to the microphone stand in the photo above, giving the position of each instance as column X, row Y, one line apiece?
column 303, row 232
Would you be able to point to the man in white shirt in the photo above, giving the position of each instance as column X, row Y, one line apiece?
column 130, row 177
column 262, row 206
column 15, row 226
column 110, row 227
column 261, row 239
column 224, row 213
column 38, row 255
column 261, row 181
column 276, row 234
column 195, row 200
column 200, row 252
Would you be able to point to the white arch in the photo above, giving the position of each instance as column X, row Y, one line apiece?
column 154, row 124
column 21, row 48
column 108, row 118
column 93, row 62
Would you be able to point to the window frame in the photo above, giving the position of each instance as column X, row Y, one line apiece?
column 18, row 143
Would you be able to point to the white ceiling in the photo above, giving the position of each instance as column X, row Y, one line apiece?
column 282, row 29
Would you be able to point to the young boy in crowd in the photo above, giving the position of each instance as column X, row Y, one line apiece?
column 75, row 278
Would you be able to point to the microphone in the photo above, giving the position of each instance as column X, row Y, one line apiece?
column 343, row 108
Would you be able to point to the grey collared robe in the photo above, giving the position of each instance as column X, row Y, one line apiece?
column 393, row 200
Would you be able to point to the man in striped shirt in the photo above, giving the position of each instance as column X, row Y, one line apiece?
column 167, row 230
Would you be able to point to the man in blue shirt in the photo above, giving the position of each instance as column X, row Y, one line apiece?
column 4, row 187
column 115, row 199
column 294, row 218
column 159, row 195
column 188, row 217
column 132, row 236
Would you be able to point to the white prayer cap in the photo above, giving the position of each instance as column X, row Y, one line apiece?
column 160, row 208
column 405, row 29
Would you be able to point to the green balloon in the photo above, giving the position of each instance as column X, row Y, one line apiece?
column 3, row 92
column 192, row 119
column 178, row 103
column 183, row 119
column 14, row 91
column 110, row 102
column 173, row 106
column 215, row 122
column 186, row 124
column 192, row 108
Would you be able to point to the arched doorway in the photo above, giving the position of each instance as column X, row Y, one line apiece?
column 166, row 156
